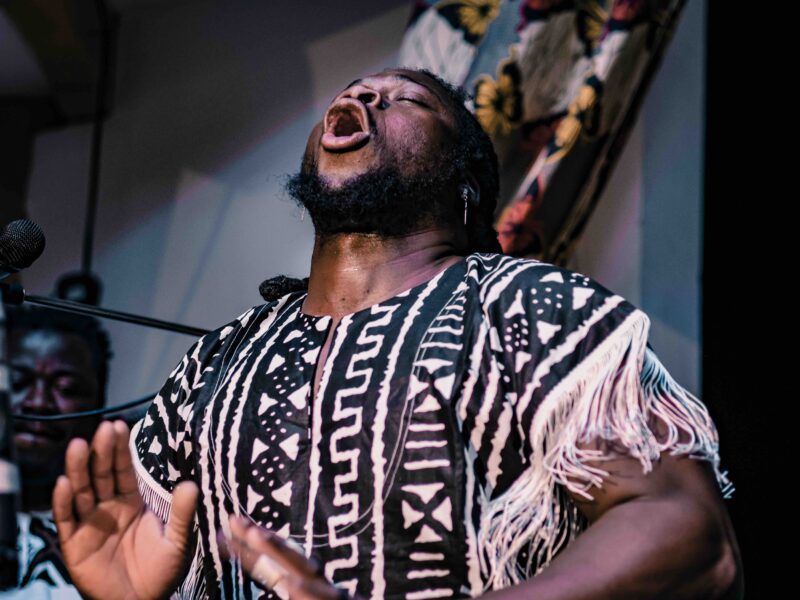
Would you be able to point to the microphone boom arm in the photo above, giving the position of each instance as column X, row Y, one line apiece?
column 15, row 294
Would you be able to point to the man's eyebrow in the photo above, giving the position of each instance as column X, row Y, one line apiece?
column 402, row 78
column 427, row 87
column 59, row 372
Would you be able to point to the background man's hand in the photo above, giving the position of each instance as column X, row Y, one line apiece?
column 113, row 546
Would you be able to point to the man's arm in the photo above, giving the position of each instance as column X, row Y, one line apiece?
column 665, row 534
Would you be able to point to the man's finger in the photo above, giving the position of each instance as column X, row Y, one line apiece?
column 294, row 554
column 62, row 509
column 123, row 466
column 271, row 544
column 265, row 572
column 102, row 458
column 254, row 546
column 77, row 470
column 240, row 530
column 261, row 568
column 181, row 516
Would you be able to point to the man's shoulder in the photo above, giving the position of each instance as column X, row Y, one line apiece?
column 501, row 272
column 210, row 346
column 252, row 317
column 508, row 285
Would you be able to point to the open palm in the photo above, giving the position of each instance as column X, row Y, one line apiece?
column 115, row 547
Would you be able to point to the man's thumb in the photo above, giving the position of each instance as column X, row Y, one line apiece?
column 184, row 502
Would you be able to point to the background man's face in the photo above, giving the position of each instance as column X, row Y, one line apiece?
column 395, row 117
column 51, row 373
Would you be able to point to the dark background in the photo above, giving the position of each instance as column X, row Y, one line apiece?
column 747, row 298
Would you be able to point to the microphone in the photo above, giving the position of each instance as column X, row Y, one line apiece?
column 21, row 243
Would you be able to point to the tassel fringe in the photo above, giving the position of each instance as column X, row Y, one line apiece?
column 159, row 501
column 617, row 394
column 155, row 497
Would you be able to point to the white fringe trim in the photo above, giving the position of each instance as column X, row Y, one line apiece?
column 614, row 394
column 159, row 501
column 157, row 498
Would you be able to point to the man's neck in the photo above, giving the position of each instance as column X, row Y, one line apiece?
column 350, row 272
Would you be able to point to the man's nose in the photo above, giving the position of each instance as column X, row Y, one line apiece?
column 365, row 95
column 39, row 398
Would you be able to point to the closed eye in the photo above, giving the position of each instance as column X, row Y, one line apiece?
column 414, row 100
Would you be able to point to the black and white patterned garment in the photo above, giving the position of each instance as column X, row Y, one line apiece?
column 42, row 573
column 432, row 462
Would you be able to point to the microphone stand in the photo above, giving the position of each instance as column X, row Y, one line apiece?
column 9, row 474
column 13, row 293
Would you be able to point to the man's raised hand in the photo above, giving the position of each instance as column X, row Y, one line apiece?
column 113, row 546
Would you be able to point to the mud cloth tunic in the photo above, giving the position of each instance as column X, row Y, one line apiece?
column 433, row 461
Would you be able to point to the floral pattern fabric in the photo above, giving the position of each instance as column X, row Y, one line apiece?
column 556, row 84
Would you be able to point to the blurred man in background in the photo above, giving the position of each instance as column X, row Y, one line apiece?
column 58, row 365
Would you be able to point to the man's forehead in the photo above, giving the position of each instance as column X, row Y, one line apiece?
column 68, row 346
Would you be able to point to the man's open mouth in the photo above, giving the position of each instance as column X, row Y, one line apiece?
column 346, row 126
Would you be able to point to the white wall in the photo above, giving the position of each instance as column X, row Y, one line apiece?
column 645, row 239
column 214, row 102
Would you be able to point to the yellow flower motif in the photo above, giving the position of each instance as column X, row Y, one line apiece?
column 474, row 15
column 567, row 132
column 477, row 14
column 591, row 17
column 498, row 103
column 584, row 100
column 570, row 127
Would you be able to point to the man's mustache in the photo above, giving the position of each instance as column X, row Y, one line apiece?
column 39, row 428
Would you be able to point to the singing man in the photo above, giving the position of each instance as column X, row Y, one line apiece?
column 427, row 418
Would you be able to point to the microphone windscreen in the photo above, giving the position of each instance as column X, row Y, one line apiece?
column 21, row 243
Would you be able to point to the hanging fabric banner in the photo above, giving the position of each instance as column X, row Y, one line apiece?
column 557, row 85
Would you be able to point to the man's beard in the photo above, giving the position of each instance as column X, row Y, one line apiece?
column 382, row 201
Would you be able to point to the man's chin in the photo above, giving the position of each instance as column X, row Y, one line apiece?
column 334, row 180
column 338, row 169
column 382, row 202
column 38, row 451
